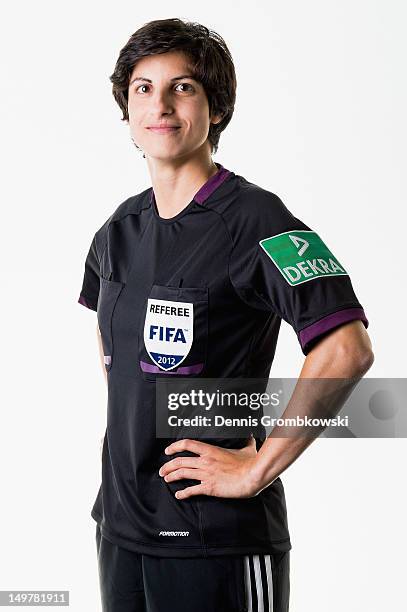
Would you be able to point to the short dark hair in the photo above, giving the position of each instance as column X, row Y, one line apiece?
column 212, row 65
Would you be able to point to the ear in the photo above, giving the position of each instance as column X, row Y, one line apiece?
column 216, row 119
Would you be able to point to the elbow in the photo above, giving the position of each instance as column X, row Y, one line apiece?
column 365, row 361
column 344, row 353
column 359, row 359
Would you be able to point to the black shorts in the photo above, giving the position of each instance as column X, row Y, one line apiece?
column 133, row 582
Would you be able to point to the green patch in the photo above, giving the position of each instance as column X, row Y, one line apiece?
column 301, row 256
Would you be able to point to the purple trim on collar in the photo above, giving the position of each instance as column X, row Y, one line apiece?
column 310, row 333
column 211, row 184
column 209, row 187
column 153, row 369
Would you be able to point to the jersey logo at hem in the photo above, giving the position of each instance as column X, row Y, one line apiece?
column 174, row 533
column 301, row 256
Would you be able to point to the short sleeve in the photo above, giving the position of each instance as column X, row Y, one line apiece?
column 91, row 279
column 280, row 264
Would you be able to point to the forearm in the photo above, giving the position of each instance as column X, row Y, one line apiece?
column 328, row 377
column 102, row 361
column 101, row 355
column 312, row 398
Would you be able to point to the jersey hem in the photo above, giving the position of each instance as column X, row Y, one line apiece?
column 169, row 550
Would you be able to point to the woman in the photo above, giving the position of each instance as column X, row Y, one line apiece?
column 191, row 278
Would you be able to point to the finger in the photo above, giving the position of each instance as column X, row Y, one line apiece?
column 191, row 491
column 186, row 444
column 179, row 462
column 184, row 473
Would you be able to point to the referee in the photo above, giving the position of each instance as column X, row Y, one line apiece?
column 191, row 278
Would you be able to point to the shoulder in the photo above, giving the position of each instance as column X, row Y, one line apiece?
column 256, row 212
column 256, row 201
column 133, row 205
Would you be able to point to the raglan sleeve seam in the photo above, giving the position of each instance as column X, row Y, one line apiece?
column 235, row 287
column 262, row 304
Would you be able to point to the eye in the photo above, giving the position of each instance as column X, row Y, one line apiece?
column 186, row 85
column 143, row 85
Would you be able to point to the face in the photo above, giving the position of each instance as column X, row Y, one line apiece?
column 168, row 109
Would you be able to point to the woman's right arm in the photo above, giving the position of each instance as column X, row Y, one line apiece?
column 104, row 370
column 102, row 361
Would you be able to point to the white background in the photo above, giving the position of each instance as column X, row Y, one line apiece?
column 319, row 120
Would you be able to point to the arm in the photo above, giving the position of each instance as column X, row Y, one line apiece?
column 99, row 339
column 345, row 353
column 102, row 361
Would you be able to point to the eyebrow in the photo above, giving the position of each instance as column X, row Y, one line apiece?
column 177, row 78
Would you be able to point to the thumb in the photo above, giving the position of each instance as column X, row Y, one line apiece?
column 251, row 441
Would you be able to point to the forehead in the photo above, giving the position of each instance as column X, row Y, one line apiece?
column 162, row 65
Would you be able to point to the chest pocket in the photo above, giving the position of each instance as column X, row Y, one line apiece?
column 108, row 295
column 173, row 333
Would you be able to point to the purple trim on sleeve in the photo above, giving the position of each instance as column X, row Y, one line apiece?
column 310, row 333
column 82, row 300
column 209, row 187
column 107, row 359
column 153, row 369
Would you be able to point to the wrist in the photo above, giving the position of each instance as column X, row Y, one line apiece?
column 260, row 475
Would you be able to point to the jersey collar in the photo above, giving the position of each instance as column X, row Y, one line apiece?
column 209, row 187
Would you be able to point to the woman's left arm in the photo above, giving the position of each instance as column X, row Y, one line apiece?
column 343, row 354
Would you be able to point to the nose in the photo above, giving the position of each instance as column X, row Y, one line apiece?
column 161, row 103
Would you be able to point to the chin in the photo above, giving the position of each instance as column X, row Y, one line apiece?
column 168, row 155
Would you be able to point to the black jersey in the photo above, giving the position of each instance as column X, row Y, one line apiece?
column 201, row 294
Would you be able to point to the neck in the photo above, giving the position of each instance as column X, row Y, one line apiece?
column 176, row 182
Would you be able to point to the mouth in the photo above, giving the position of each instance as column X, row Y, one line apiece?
column 164, row 129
